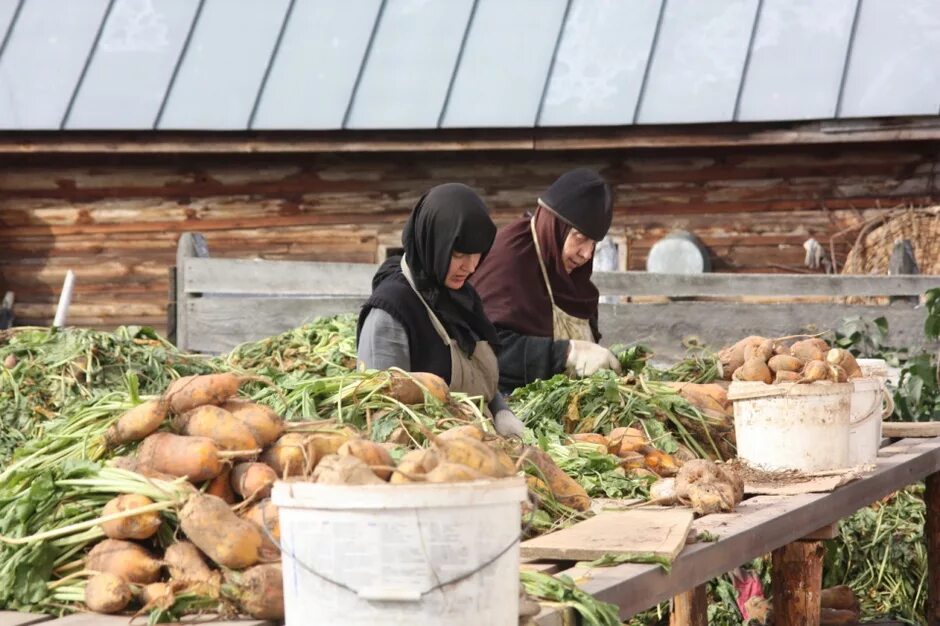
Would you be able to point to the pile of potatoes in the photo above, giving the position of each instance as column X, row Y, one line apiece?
column 771, row 361
column 703, row 485
column 230, row 453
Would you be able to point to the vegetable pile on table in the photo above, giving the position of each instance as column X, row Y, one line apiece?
column 97, row 422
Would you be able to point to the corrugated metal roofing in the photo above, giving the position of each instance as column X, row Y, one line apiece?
column 420, row 64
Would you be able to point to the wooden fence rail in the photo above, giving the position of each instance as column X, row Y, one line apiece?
column 220, row 303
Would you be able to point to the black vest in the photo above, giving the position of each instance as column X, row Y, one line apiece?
column 396, row 297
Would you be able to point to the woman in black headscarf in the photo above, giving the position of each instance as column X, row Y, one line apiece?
column 536, row 284
column 424, row 316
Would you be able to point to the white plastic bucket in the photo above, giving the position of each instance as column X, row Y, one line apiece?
column 868, row 407
column 422, row 554
column 791, row 426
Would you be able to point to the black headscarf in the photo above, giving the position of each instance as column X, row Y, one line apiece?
column 448, row 218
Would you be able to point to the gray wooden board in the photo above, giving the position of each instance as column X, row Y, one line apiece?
column 621, row 533
column 248, row 276
column 663, row 327
column 216, row 324
column 220, row 323
column 759, row 526
column 282, row 278
column 14, row 618
column 680, row 285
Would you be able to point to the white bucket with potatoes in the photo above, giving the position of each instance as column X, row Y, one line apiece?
column 790, row 426
column 412, row 554
column 871, row 402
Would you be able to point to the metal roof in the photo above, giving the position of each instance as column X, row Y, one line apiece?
column 422, row 64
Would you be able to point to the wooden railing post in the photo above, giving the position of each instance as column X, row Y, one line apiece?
column 932, row 534
column 797, row 582
column 690, row 608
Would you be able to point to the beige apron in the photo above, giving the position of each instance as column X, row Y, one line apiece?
column 564, row 326
column 477, row 375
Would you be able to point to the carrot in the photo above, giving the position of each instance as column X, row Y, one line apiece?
column 218, row 425
column 225, row 538
column 263, row 422
column 763, row 350
column 291, row 455
column 372, row 454
column 260, row 591
column 464, row 430
column 626, row 439
column 784, row 376
column 661, row 463
column 344, row 470
column 595, row 438
column 140, row 526
column 158, row 595
column 264, row 515
column 327, row 443
column 124, row 559
column 563, row 487
column 453, row 473
column 196, row 458
column 185, row 563
column 253, row 479
column 137, row 423
column 221, row 486
column 474, row 454
column 107, row 593
column 414, row 464
column 410, row 387
column 189, row 392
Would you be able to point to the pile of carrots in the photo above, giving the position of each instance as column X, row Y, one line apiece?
column 224, row 454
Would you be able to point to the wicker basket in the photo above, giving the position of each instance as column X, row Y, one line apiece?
column 871, row 254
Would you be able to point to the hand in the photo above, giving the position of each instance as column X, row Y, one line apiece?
column 507, row 424
column 586, row 358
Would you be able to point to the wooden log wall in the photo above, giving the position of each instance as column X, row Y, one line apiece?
column 115, row 219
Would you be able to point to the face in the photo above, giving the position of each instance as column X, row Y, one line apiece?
column 578, row 250
column 461, row 266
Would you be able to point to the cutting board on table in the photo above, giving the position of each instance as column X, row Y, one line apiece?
column 660, row 532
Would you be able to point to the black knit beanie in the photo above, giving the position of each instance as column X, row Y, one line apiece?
column 583, row 199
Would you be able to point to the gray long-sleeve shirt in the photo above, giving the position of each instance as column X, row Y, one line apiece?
column 383, row 343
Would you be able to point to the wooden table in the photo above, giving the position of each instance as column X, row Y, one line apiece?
column 769, row 524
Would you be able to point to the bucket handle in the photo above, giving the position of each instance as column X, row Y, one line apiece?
column 887, row 407
column 387, row 594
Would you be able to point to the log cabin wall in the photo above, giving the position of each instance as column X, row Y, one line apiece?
column 115, row 219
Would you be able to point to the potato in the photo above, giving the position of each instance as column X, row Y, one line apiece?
column 107, row 593
column 845, row 360
column 815, row 371
column 784, row 363
column 754, row 370
column 344, row 470
column 814, row 349
column 372, row 454
column 414, row 465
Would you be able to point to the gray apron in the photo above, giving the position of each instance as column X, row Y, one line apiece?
column 564, row 326
column 476, row 376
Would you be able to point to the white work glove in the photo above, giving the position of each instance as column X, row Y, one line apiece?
column 507, row 424
column 586, row 358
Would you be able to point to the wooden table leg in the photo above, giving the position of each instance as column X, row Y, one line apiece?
column 690, row 608
column 797, row 581
column 932, row 534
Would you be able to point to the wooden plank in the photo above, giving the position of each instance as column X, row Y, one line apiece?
column 185, row 249
column 760, row 525
column 932, row 535
column 663, row 327
column 98, row 619
column 797, row 581
column 13, row 618
column 626, row 533
column 910, row 429
column 220, row 323
column 690, row 608
column 680, row 285
column 830, row 531
column 545, row 567
column 281, row 278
